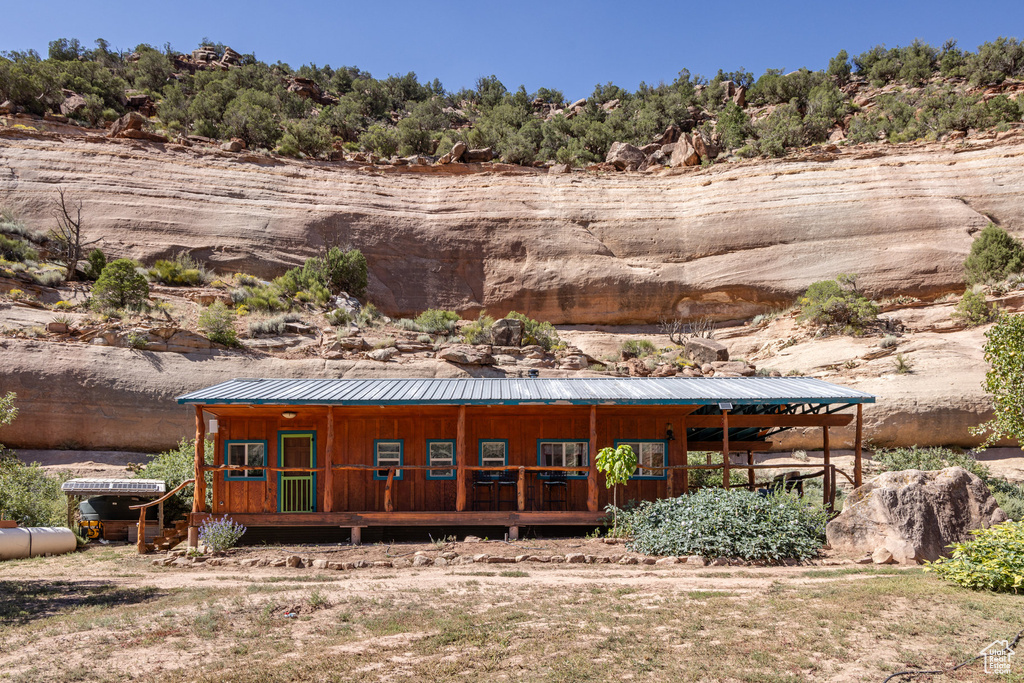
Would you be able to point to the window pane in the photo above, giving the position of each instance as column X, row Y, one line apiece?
column 549, row 455
column 236, row 454
column 654, row 456
column 441, row 451
column 256, row 454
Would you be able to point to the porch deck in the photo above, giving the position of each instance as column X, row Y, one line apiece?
column 509, row 518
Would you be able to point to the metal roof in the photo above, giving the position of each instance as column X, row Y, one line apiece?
column 515, row 391
column 114, row 487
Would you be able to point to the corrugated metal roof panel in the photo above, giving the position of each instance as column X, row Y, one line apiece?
column 514, row 391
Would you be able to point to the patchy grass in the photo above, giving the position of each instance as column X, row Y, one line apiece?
column 554, row 623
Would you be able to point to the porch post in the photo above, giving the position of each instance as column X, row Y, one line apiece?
column 199, row 496
column 827, row 455
column 725, row 449
column 329, row 463
column 592, row 462
column 460, row 461
column 750, row 471
column 686, row 459
column 857, row 446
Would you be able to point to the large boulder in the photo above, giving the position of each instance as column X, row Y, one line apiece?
column 471, row 156
column 458, row 149
column 684, row 154
column 913, row 515
column 507, row 332
column 702, row 350
column 464, row 354
column 133, row 120
column 73, row 103
column 624, row 156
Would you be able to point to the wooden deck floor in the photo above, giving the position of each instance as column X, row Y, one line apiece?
column 378, row 519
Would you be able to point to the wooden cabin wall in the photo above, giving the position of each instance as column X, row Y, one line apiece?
column 356, row 429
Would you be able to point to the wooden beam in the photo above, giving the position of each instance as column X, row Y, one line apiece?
column 199, row 495
column 521, row 490
column 592, row 462
column 734, row 445
column 827, row 455
column 725, row 449
column 460, row 461
column 389, row 505
column 764, row 421
column 329, row 462
column 858, row 475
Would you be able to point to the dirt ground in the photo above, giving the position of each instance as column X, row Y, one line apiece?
column 107, row 614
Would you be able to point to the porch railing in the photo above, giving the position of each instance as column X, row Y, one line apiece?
column 297, row 493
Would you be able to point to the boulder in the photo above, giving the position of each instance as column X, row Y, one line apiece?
column 704, row 145
column 664, row 371
column 458, row 149
column 464, row 354
column 142, row 135
column 670, row 135
column 705, row 351
column 232, row 146
column 683, row 154
column 559, row 168
column 72, row 104
column 625, row 157
column 912, row 515
column 471, row 156
column 383, row 355
column 740, row 97
column 133, row 120
column 507, row 332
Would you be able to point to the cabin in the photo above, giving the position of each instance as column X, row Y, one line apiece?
column 509, row 452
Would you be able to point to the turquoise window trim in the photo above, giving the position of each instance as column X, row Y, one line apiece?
column 430, row 473
column 281, row 435
column 229, row 475
column 401, row 459
column 569, row 475
column 480, row 454
column 638, row 475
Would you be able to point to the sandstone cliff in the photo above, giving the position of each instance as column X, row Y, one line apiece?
column 729, row 241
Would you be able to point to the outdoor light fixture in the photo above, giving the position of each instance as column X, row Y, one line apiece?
column 669, row 436
column 289, row 414
column 213, row 426
column 725, row 406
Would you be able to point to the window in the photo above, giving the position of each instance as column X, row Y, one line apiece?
column 387, row 454
column 648, row 454
column 441, row 453
column 493, row 453
column 245, row 454
column 563, row 454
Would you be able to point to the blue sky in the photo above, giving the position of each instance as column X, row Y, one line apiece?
column 565, row 44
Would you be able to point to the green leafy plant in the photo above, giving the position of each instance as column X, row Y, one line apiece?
column 478, row 331
column 135, row 340
column 535, row 332
column 994, row 256
column 972, row 310
column 837, row 305
column 174, row 467
column 618, row 465
column 95, row 262
column 173, row 274
column 338, row 317
column 218, row 321
column 728, row 523
column 926, row 459
column 120, row 286
column 637, row 348
column 992, row 560
column 1004, row 352
column 437, row 321
column 220, row 535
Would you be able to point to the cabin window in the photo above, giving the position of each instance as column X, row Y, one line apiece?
column 441, row 453
column 648, row 454
column 387, row 454
column 563, row 454
column 493, row 453
column 245, row 454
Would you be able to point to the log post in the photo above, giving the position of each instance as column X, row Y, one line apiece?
column 725, row 449
column 686, row 459
column 356, row 536
column 521, row 489
column 329, row 463
column 140, row 543
column 858, row 475
column 460, row 461
column 592, row 462
column 199, row 492
column 670, row 484
column 827, row 455
column 389, row 506
column 750, row 471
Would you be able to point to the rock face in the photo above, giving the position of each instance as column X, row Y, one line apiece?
column 913, row 515
column 729, row 241
column 464, row 354
column 507, row 332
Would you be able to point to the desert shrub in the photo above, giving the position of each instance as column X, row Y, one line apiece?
column 120, row 286
column 478, row 331
column 973, row 310
column 839, row 67
column 933, row 458
column 272, row 326
column 380, row 140
column 367, row 315
column 385, row 343
column 334, row 272
column 338, row 317
column 836, row 304
column 218, row 321
column 889, row 342
column 535, row 332
column 48, row 278
column 637, row 348
column 1009, row 497
column 268, row 298
column 220, row 535
column 727, row 523
column 172, row 274
column 175, row 466
column 992, row 560
column 994, row 256
column 14, row 249
column 30, row 495
column 246, row 280
column 95, row 262
column 437, row 321
column 902, row 364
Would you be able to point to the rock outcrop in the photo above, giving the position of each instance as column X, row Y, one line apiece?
column 913, row 516
column 728, row 241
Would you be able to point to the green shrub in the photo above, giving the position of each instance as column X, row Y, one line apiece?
column 338, row 317
column 541, row 333
column 334, row 272
column 992, row 560
column 733, row 523
column 172, row 274
column 1004, row 352
column 926, row 459
column 218, row 321
column 48, row 278
column 94, row 264
column 478, row 331
column 836, row 304
column 272, row 326
column 14, row 249
column 973, row 310
column 437, row 321
column 637, row 348
column 1009, row 497
column 120, row 286
column 994, row 256
column 175, row 466
column 268, row 298
column 220, row 535
column 699, row 479
column 30, row 495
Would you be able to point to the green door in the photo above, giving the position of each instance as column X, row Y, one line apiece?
column 296, row 491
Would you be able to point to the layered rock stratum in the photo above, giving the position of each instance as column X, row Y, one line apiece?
column 728, row 241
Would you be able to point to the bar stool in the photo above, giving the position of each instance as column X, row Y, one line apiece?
column 483, row 482
column 556, row 490
column 508, row 481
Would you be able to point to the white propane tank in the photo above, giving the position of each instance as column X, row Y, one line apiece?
column 16, row 544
